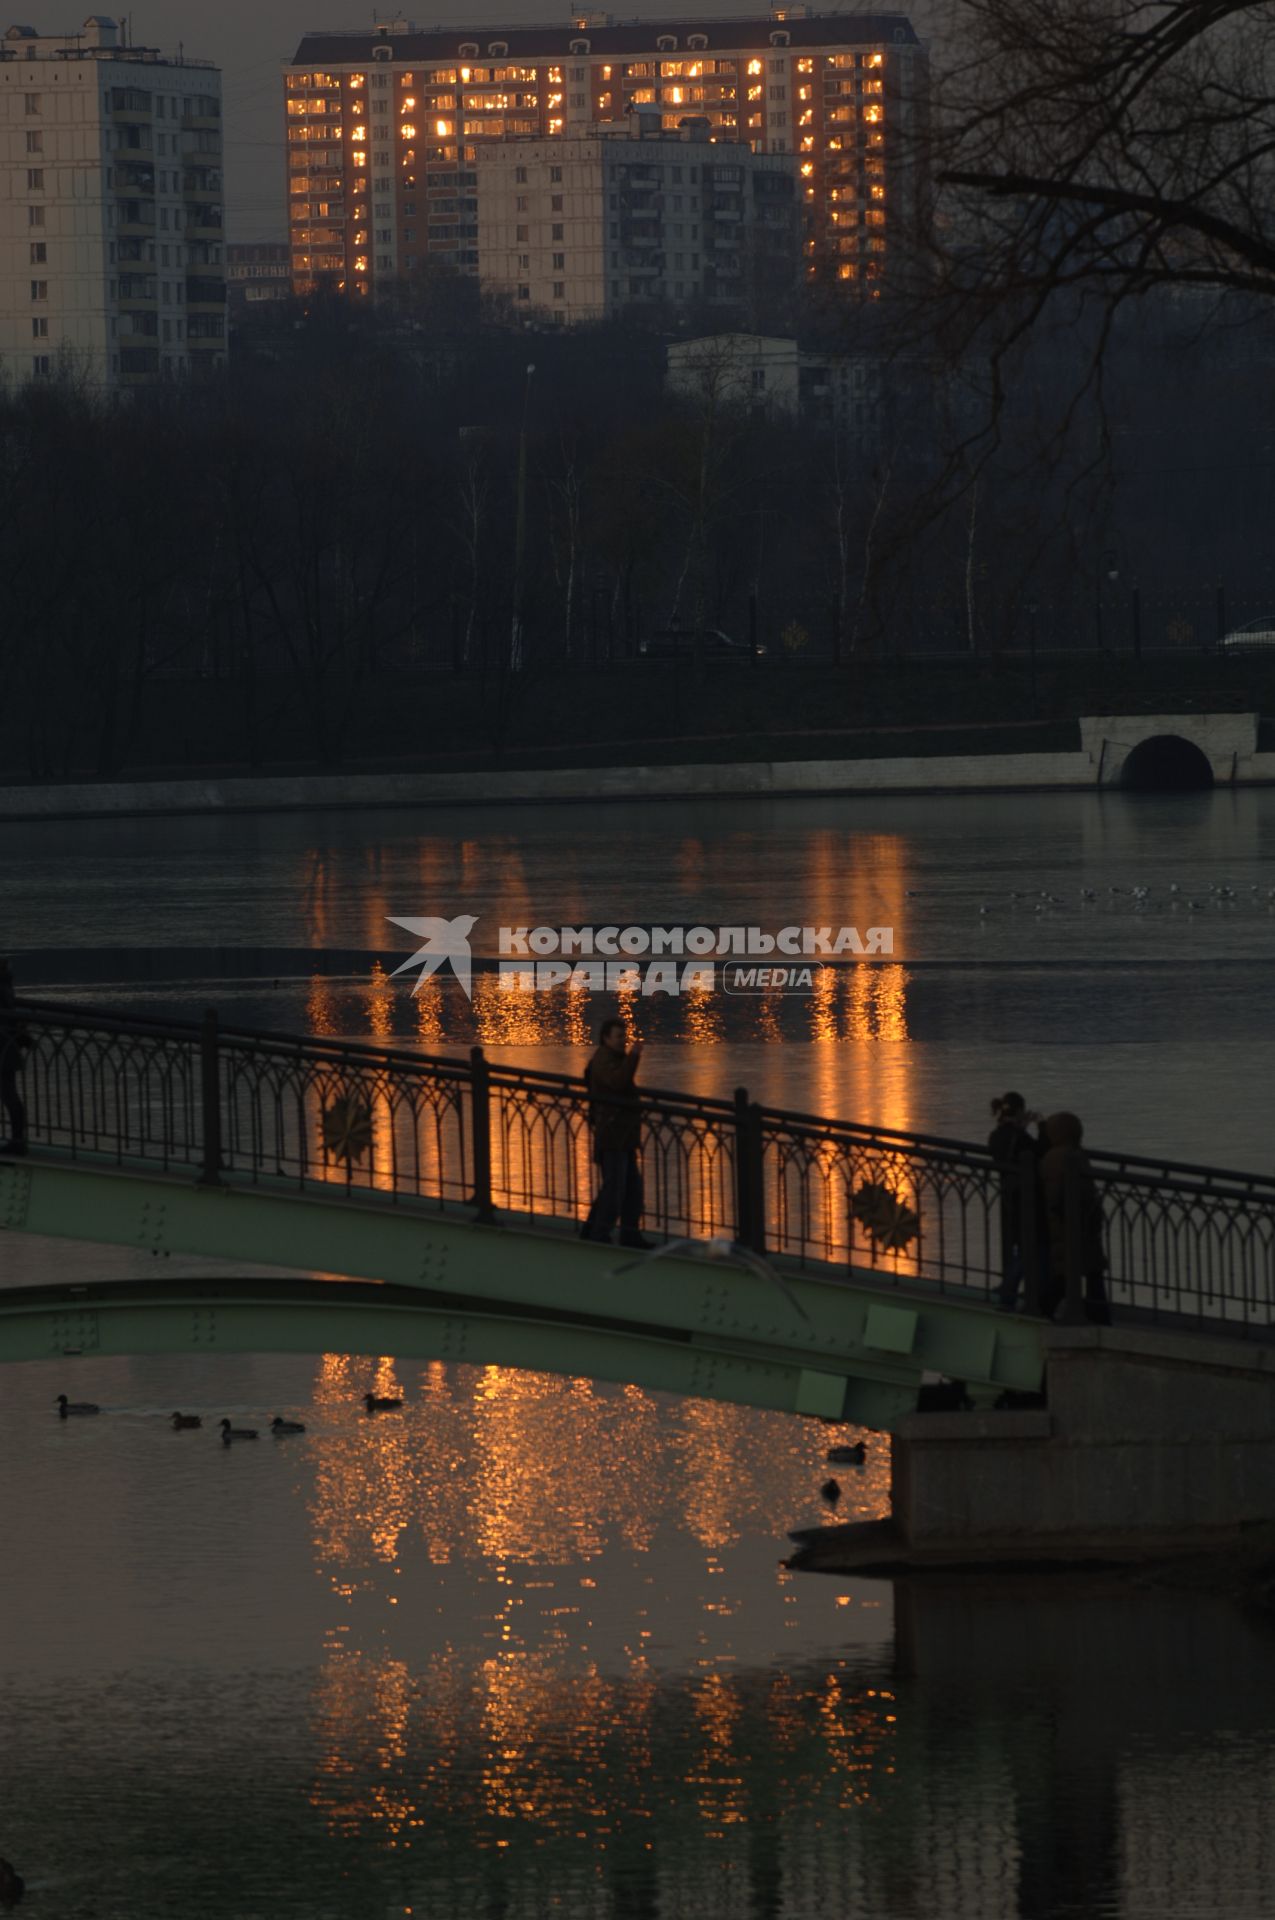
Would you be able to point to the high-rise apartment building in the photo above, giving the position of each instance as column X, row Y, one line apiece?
column 384, row 129
column 625, row 217
column 110, row 209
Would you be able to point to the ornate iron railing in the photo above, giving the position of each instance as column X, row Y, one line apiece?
column 1182, row 1242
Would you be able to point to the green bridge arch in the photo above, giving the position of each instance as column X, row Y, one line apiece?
column 428, row 1283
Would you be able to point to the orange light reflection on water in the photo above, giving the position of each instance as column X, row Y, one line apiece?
column 532, row 1481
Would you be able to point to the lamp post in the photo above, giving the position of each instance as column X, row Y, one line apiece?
column 1108, row 568
column 520, row 535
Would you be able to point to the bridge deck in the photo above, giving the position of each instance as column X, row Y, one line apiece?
column 833, row 1251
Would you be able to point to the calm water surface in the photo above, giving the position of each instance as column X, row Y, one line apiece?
column 527, row 1647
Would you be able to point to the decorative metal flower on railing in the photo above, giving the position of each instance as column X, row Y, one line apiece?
column 889, row 1221
column 347, row 1128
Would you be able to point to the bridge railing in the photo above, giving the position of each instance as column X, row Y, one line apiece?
column 221, row 1103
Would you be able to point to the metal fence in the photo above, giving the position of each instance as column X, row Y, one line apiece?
column 1183, row 1242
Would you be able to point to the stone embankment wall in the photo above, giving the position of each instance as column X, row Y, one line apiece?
column 1227, row 741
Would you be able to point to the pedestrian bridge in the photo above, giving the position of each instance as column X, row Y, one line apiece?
column 385, row 1201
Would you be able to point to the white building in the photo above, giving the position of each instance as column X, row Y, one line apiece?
column 111, row 263
column 843, row 391
column 589, row 225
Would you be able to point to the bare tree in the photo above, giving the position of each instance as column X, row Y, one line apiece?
column 1109, row 146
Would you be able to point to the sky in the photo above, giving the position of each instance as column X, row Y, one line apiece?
column 250, row 40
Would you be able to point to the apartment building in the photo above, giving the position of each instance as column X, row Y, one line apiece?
column 110, row 209
column 632, row 217
column 257, row 271
column 385, row 129
column 848, row 393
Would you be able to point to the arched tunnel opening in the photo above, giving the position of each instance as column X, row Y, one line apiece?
column 1166, row 763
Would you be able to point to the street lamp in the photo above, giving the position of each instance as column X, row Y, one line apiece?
column 1109, row 569
column 520, row 534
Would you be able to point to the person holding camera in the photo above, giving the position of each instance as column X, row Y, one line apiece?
column 14, row 1040
column 1014, row 1146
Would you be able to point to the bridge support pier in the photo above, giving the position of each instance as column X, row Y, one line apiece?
column 1151, row 1445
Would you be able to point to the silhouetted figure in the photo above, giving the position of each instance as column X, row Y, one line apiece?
column 181, row 1420
column 381, row 1403
column 831, row 1492
column 615, row 1118
column 852, row 1456
column 14, row 1041
column 943, row 1396
column 12, row 1885
column 1065, row 1167
column 1012, row 1144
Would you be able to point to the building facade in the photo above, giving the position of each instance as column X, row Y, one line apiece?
column 257, row 271
column 385, row 129
column 110, row 210
column 846, row 393
column 632, row 218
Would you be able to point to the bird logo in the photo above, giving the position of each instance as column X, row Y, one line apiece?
column 444, row 940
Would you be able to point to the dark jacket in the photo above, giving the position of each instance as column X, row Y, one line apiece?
column 14, row 1037
column 1066, row 1162
column 1009, row 1146
column 614, row 1109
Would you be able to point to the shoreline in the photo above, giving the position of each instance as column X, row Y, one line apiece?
column 1225, row 749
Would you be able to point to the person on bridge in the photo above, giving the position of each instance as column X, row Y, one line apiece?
column 1014, row 1146
column 1065, row 1168
column 14, row 1040
column 615, row 1120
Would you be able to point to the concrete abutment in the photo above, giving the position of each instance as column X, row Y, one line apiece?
column 1151, row 1445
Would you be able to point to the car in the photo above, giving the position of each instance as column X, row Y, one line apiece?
column 710, row 642
column 1257, row 634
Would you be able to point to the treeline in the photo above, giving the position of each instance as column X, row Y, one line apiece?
column 253, row 570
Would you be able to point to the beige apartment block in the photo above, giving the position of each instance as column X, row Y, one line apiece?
column 629, row 218
column 111, row 242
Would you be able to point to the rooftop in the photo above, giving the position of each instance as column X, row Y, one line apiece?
column 99, row 38
column 604, row 35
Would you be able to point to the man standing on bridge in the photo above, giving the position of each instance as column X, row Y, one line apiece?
column 13, row 1043
column 615, row 1121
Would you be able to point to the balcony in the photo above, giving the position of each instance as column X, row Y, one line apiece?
column 134, row 177
column 131, row 103
column 205, row 145
column 138, row 364
column 201, row 292
column 134, row 216
column 137, row 290
column 202, row 220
